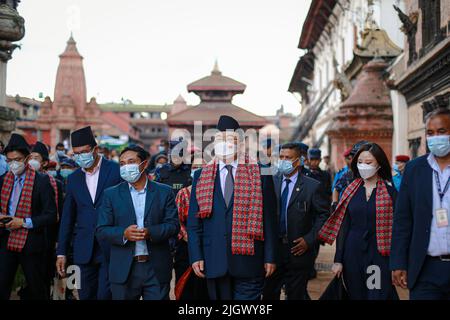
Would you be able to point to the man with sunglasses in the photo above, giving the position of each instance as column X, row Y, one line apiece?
column 84, row 193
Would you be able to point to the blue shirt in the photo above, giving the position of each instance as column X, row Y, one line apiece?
column 439, row 237
column 138, row 198
column 338, row 175
column 3, row 165
column 397, row 180
column 12, row 211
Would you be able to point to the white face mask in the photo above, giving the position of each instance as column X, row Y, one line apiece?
column 367, row 171
column 17, row 167
column 36, row 165
column 224, row 149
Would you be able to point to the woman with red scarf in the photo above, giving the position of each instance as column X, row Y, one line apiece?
column 362, row 225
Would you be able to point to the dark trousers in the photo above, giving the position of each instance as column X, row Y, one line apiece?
column 141, row 282
column 433, row 282
column 94, row 280
column 195, row 287
column 231, row 288
column 294, row 279
column 34, row 270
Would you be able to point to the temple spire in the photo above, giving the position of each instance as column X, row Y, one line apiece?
column 216, row 69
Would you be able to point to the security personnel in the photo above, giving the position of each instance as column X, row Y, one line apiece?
column 315, row 157
column 303, row 158
column 175, row 174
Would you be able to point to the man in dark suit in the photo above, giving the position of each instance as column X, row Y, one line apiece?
column 39, row 159
column 84, row 192
column 302, row 210
column 232, row 246
column 137, row 218
column 420, row 254
column 28, row 201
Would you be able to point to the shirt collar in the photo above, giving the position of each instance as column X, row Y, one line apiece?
column 222, row 164
column 293, row 178
column 433, row 163
column 133, row 189
column 96, row 169
column 19, row 178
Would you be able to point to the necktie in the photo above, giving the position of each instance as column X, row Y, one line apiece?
column 283, row 209
column 16, row 196
column 229, row 184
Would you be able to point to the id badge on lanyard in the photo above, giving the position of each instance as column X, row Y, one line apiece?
column 441, row 213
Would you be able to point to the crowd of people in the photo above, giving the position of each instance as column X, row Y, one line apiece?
column 127, row 219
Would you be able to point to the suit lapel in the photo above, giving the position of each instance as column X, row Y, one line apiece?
column 102, row 177
column 126, row 196
column 83, row 186
column 426, row 177
column 298, row 188
column 150, row 195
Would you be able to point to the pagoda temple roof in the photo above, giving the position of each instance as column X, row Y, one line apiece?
column 316, row 19
column 209, row 113
column 216, row 82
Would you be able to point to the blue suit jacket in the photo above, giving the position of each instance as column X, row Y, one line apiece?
column 210, row 239
column 79, row 217
column 412, row 219
column 161, row 219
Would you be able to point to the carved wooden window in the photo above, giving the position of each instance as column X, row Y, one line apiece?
column 431, row 21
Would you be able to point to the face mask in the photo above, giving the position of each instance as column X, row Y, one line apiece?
column 366, row 171
column 101, row 155
column 65, row 173
column 84, row 160
column 224, row 149
column 60, row 153
column 396, row 168
column 161, row 149
column 17, row 167
column 439, row 145
column 36, row 165
column 286, row 167
column 302, row 161
column 130, row 172
column 52, row 173
column 193, row 172
column 159, row 165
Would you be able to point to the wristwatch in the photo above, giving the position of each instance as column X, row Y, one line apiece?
column 24, row 224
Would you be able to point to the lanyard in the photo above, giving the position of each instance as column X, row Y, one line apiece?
column 439, row 190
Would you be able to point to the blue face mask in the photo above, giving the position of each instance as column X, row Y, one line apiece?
column 65, row 173
column 130, row 172
column 286, row 167
column 84, row 160
column 60, row 153
column 52, row 173
column 302, row 161
column 395, row 167
column 439, row 145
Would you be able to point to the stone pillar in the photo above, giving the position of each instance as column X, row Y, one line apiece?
column 400, row 120
column 12, row 28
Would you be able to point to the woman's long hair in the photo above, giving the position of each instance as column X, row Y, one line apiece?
column 385, row 171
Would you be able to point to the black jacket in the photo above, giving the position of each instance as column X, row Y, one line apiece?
column 43, row 214
column 308, row 209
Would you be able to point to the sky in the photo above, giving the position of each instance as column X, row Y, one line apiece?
column 148, row 51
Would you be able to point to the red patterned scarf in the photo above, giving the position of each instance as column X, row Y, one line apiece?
column 17, row 238
column 247, row 208
column 384, row 216
column 55, row 188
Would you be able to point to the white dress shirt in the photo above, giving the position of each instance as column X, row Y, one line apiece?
column 224, row 172
column 92, row 180
column 439, row 237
